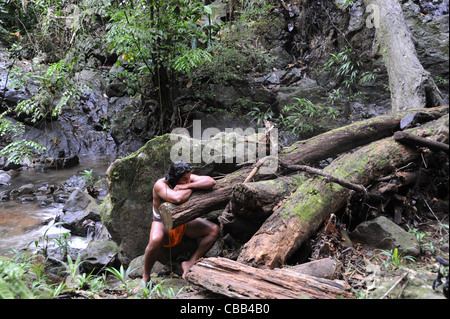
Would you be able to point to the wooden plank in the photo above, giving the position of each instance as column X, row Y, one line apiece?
column 235, row 280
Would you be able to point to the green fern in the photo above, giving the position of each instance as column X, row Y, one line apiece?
column 37, row 107
column 8, row 128
column 22, row 149
column 191, row 59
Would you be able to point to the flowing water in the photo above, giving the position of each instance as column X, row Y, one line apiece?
column 23, row 223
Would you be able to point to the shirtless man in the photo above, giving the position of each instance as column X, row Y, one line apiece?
column 176, row 188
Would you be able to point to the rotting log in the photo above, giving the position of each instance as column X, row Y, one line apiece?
column 200, row 203
column 316, row 199
column 310, row 151
column 256, row 200
column 235, row 280
column 341, row 140
column 410, row 139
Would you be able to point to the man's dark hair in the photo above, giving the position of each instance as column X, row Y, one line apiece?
column 175, row 172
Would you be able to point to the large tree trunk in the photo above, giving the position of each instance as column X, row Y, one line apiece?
column 232, row 279
column 411, row 85
column 316, row 199
column 323, row 146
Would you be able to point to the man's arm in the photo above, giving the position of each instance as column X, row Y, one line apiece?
column 197, row 182
column 171, row 195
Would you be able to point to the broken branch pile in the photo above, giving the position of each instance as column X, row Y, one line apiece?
column 289, row 208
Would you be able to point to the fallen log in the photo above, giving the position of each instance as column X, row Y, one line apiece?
column 303, row 213
column 235, row 280
column 329, row 177
column 256, row 200
column 310, row 151
column 201, row 202
column 341, row 140
column 410, row 139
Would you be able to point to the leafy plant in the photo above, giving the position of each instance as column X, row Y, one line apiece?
column 22, row 149
column 121, row 274
column 87, row 176
column 11, row 283
column 394, row 258
column 159, row 39
column 44, row 241
column 302, row 116
column 191, row 59
column 346, row 70
column 73, row 270
column 344, row 4
column 335, row 95
column 58, row 77
column 151, row 290
column 259, row 116
column 440, row 81
column 91, row 188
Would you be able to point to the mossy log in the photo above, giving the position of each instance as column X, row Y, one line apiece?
column 316, row 199
column 255, row 201
column 344, row 139
column 235, row 280
column 323, row 146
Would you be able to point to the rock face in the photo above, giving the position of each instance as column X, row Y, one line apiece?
column 79, row 209
column 385, row 234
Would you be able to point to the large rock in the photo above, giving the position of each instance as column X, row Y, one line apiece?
column 127, row 209
column 98, row 254
column 384, row 234
column 79, row 208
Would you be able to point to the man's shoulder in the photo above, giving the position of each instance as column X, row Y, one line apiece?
column 160, row 182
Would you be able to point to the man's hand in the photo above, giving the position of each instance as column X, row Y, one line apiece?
column 181, row 187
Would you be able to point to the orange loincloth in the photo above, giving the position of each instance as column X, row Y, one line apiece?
column 175, row 235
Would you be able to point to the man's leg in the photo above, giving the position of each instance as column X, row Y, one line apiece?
column 159, row 236
column 208, row 232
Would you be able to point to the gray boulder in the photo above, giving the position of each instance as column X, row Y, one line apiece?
column 79, row 208
column 98, row 254
column 384, row 234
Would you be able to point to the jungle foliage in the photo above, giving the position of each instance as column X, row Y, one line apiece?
column 153, row 44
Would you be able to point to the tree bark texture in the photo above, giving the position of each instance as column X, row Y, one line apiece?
column 407, row 138
column 256, row 200
column 235, row 280
column 344, row 139
column 410, row 84
column 316, row 199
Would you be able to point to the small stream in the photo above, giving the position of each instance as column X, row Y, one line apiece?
column 22, row 223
